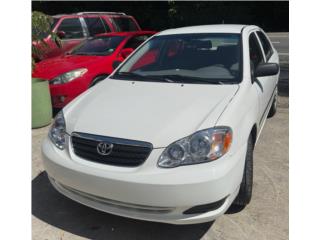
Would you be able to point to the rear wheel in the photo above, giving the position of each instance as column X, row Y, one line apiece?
column 245, row 192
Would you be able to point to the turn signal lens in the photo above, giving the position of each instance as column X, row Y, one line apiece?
column 221, row 141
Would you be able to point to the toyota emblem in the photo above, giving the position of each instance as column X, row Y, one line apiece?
column 104, row 148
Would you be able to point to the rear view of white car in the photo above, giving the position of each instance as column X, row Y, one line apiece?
column 169, row 136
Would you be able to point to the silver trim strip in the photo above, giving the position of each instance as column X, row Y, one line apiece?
column 106, row 13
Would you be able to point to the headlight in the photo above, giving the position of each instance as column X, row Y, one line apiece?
column 203, row 146
column 68, row 76
column 57, row 131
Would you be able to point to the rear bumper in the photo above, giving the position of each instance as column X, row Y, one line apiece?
column 146, row 192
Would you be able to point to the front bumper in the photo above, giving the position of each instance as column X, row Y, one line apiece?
column 146, row 192
column 62, row 94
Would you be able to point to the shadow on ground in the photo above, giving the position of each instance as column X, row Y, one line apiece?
column 61, row 212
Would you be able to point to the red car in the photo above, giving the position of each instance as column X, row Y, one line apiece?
column 77, row 27
column 87, row 64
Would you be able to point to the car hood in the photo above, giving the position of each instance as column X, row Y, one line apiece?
column 159, row 113
column 50, row 68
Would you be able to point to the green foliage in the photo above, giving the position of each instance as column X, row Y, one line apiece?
column 40, row 23
column 41, row 28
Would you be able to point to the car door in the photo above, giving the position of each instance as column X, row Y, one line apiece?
column 261, row 84
column 269, row 82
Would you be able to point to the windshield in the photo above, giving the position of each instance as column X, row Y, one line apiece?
column 98, row 46
column 187, row 58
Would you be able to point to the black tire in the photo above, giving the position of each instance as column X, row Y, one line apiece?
column 245, row 192
column 273, row 108
column 97, row 79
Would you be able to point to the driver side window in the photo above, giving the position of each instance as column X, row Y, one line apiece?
column 256, row 56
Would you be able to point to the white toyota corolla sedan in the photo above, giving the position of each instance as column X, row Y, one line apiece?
column 169, row 135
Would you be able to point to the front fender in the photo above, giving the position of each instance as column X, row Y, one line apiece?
column 241, row 115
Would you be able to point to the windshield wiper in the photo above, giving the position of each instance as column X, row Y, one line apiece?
column 140, row 77
column 129, row 74
column 183, row 79
column 171, row 78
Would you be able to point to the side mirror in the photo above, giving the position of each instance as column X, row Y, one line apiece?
column 126, row 52
column 116, row 63
column 266, row 69
column 61, row 34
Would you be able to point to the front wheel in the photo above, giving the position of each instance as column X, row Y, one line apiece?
column 245, row 192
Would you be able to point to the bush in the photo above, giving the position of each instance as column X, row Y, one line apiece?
column 41, row 28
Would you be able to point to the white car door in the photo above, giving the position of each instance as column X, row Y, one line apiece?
column 265, row 85
column 269, row 82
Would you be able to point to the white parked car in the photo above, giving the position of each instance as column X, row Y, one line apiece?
column 169, row 136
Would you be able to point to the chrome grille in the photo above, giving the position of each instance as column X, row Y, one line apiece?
column 128, row 153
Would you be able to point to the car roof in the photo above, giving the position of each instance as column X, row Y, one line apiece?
column 126, row 33
column 216, row 28
column 91, row 15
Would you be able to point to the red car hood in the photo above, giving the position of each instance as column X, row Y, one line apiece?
column 50, row 68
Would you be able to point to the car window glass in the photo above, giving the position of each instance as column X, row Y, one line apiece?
column 98, row 46
column 124, row 24
column 256, row 56
column 265, row 44
column 136, row 41
column 189, row 57
column 95, row 26
column 106, row 25
column 71, row 27
column 148, row 56
column 54, row 22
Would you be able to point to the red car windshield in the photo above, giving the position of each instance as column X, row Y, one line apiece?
column 99, row 46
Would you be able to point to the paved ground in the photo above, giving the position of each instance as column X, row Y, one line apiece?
column 56, row 217
column 280, row 42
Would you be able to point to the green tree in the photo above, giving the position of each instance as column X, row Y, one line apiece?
column 41, row 27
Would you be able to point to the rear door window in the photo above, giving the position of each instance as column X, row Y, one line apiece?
column 124, row 24
column 72, row 28
column 265, row 44
column 95, row 26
